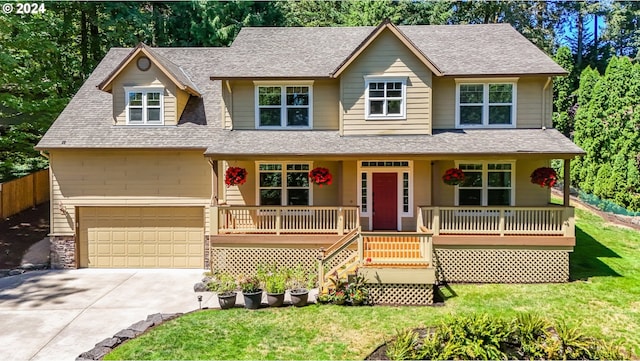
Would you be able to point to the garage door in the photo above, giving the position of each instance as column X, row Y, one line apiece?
column 141, row 237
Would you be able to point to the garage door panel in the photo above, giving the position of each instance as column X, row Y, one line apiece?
column 145, row 237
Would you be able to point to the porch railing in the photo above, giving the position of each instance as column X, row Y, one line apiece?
column 376, row 249
column 287, row 219
column 500, row 221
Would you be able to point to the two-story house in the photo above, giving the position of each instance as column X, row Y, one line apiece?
column 140, row 157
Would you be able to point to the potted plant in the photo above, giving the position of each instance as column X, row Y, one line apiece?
column 544, row 177
column 300, row 282
column 320, row 176
column 453, row 176
column 357, row 291
column 250, row 286
column 235, row 176
column 224, row 285
column 274, row 282
column 323, row 298
column 338, row 297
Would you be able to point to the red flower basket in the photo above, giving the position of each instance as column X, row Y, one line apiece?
column 453, row 176
column 235, row 176
column 320, row 176
column 544, row 177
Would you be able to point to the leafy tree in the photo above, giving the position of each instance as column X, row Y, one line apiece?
column 563, row 91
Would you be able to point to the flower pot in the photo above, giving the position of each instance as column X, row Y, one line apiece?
column 357, row 302
column 252, row 300
column 299, row 297
column 340, row 301
column 275, row 299
column 227, row 300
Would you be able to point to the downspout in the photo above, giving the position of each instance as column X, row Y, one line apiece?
column 44, row 154
column 229, row 106
column 544, row 103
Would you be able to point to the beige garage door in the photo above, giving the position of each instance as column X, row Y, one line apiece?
column 141, row 237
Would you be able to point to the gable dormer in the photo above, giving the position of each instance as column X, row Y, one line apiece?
column 148, row 89
column 386, row 86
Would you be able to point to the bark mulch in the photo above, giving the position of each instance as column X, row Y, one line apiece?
column 20, row 231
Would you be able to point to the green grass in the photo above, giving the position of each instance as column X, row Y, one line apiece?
column 603, row 299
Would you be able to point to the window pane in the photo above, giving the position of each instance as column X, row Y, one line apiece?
column 298, row 197
column 472, row 179
column 153, row 114
column 153, row 99
column 135, row 115
column 503, row 166
column 298, row 95
column 499, row 114
column 298, row 116
column 270, row 117
column 297, row 179
column 269, row 95
column 135, row 99
column 376, row 107
column 270, row 197
column 270, row 179
column 499, row 197
column 499, row 179
column 471, row 93
column 470, row 197
column 500, row 93
column 376, row 93
column 471, row 115
column 270, row 167
column 393, row 106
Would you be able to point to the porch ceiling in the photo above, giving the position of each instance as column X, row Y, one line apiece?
column 442, row 144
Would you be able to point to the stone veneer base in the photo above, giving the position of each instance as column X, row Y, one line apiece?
column 63, row 252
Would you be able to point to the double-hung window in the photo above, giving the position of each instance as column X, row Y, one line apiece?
column 284, row 184
column 144, row 106
column 486, row 104
column 385, row 98
column 284, row 106
column 486, row 184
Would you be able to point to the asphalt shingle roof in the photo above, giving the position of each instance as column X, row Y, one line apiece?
column 87, row 121
column 461, row 50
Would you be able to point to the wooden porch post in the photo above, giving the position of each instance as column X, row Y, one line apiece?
column 567, row 181
column 340, row 221
column 436, row 221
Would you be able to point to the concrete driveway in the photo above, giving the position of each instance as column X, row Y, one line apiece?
column 57, row 315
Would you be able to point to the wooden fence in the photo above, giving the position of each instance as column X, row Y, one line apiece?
column 23, row 193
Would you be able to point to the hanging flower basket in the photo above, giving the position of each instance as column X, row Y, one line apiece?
column 320, row 176
column 453, row 176
column 235, row 176
column 544, row 177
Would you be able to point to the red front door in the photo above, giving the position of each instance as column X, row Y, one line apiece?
column 385, row 201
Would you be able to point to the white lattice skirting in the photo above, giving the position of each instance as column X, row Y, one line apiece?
column 502, row 265
column 244, row 260
column 401, row 294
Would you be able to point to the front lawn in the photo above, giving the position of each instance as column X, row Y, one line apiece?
column 604, row 300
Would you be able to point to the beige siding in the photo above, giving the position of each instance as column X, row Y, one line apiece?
column 240, row 105
column 387, row 56
column 132, row 76
column 529, row 107
column 530, row 100
column 526, row 193
column 247, row 194
column 227, row 106
column 421, row 183
column 243, row 195
column 182, row 99
column 125, row 178
column 349, row 183
column 444, row 103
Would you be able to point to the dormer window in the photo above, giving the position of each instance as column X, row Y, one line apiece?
column 282, row 106
column 144, row 106
column 385, row 98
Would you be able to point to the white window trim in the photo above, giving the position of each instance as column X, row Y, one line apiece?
column 485, row 180
column 380, row 78
column 399, row 170
column 144, row 90
column 485, row 102
column 283, row 103
column 283, row 196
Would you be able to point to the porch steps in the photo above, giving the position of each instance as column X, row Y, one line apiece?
column 390, row 248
